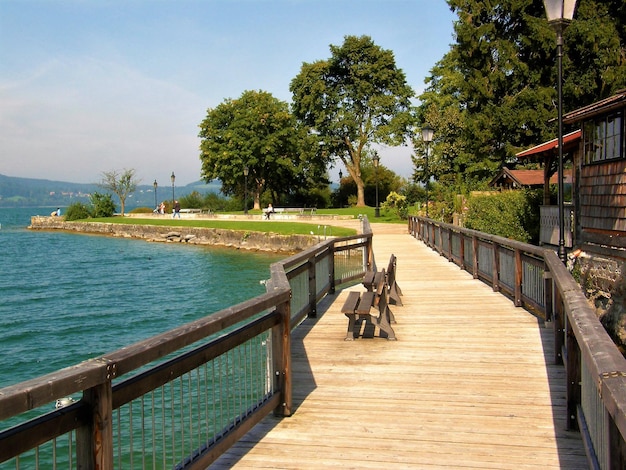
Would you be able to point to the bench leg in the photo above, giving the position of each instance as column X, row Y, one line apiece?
column 394, row 295
column 351, row 322
column 383, row 324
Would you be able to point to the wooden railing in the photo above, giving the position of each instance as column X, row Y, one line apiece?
column 537, row 279
column 179, row 399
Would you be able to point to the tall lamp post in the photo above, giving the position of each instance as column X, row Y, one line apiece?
column 376, row 160
column 427, row 137
column 155, row 192
column 245, row 189
column 560, row 13
column 173, row 179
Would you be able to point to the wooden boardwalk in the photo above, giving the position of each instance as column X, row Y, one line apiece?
column 468, row 384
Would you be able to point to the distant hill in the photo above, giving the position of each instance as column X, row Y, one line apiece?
column 30, row 192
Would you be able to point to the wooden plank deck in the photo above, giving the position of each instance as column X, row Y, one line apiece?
column 468, row 384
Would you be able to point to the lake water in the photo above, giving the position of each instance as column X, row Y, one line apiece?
column 66, row 297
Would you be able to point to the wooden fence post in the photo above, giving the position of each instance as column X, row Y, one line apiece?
column 519, row 278
column 94, row 442
column 312, row 288
column 281, row 345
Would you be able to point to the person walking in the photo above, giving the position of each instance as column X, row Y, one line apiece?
column 176, row 209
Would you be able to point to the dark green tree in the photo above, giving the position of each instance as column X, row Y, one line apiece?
column 259, row 132
column 494, row 92
column 355, row 98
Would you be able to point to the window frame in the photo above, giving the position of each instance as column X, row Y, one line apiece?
column 604, row 138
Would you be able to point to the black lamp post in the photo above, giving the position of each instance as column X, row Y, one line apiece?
column 155, row 193
column 376, row 160
column 172, row 179
column 245, row 189
column 427, row 137
column 560, row 13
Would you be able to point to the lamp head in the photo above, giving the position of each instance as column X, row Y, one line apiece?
column 173, row 177
column 376, row 159
column 427, row 133
column 246, row 170
column 155, row 184
column 560, row 10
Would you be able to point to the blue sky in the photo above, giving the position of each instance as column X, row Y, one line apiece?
column 88, row 86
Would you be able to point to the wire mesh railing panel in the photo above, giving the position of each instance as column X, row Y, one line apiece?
column 299, row 292
column 179, row 420
column 56, row 453
column 350, row 262
column 322, row 270
column 485, row 259
column 506, row 274
column 533, row 283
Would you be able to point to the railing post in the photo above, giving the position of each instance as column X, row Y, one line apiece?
column 331, row 268
column 559, row 315
column 519, row 278
column 495, row 268
column 94, row 441
column 475, row 260
column 547, row 289
column 573, row 377
column 281, row 346
column 312, row 288
column 462, row 250
column 450, row 258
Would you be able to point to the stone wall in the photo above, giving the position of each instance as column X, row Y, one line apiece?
column 604, row 283
column 240, row 239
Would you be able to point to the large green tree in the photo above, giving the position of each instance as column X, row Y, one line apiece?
column 494, row 92
column 259, row 132
column 356, row 98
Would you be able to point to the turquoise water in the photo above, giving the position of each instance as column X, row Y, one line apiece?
column 67, row 297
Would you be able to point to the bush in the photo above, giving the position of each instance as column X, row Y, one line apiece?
column 102, row 205
column 77, row 211
column 141, row 210
column 509, row 214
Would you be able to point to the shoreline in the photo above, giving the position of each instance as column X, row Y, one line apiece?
column 238, row 239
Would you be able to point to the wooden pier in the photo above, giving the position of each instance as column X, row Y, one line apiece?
column 469, row 383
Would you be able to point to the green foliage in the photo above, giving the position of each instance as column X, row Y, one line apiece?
column 257, row 131
column 141, row 210
column 193, row 200
column 397, row 203
column 509, row 214
column 355, row 98
column 77, row 211
column 102, row 205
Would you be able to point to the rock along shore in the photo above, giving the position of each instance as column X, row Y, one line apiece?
column 239, row 239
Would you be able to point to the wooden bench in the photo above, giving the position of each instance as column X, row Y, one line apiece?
column 373, row 278
column 370, row 310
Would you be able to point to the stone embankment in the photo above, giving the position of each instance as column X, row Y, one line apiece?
column 240, row 239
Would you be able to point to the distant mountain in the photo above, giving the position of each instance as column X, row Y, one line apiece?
column 30, row 192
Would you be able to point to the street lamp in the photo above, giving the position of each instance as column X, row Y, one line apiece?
column 560, row 13
column 376, row 160
column 427, row 137
column 155, row 193
column 172, row 179
column 245, row 189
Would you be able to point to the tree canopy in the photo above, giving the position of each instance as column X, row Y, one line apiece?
column 356, row 98
column 120, row 182
column 259, row 132
column 494, row 93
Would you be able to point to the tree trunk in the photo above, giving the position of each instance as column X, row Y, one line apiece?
column 360, row 192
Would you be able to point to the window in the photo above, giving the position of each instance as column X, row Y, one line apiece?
column 604, row 138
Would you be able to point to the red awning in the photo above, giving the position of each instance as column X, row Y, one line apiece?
column 570, row 141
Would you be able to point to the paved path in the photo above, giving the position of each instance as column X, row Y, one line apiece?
column 467, row 385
